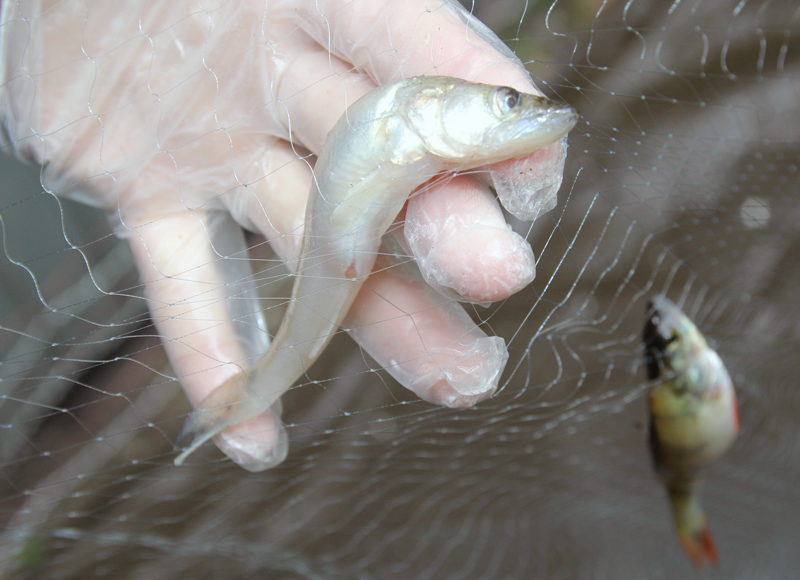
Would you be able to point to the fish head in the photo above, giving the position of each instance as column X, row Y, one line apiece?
column 475, row 124
column 671, row 340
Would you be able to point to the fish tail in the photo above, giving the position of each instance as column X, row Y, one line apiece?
column 692, row 528
column 229, row 404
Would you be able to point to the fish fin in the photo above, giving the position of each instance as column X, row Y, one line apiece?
column 692, row 528
column 700, row 547
column 229, row 404
column 359, row 199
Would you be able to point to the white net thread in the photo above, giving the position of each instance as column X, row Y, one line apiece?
column 679, row 179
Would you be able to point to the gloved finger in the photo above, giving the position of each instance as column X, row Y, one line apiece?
column 396, row 39
column 313, row 89
column 273, row 202
column 527, row 187
column 198, row 285
column 257, row 444
column 462, row 242
column 427, row 342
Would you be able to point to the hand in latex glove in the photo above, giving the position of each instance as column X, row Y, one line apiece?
column 187, row 124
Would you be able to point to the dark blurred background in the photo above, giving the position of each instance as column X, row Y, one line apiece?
column 681, row 178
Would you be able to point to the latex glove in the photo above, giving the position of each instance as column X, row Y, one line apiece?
column 187, row 120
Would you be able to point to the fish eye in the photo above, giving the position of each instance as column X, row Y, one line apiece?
column 506, row 99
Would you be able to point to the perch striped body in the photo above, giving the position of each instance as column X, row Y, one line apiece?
column 693, row 417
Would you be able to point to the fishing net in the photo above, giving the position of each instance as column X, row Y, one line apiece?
column 679, row 180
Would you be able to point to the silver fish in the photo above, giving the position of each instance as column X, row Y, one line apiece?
column 386, row 145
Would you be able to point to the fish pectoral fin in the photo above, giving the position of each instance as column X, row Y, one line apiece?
column 360, row 199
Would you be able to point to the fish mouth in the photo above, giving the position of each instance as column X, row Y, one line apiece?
column 564, row 114
column 548, row 126
column 661, row 312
